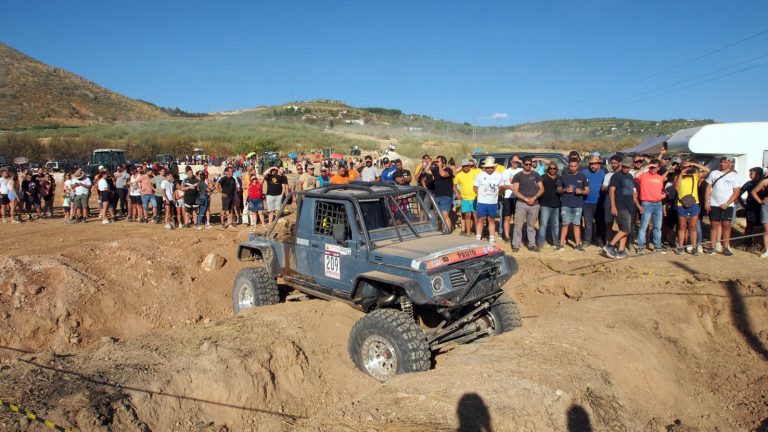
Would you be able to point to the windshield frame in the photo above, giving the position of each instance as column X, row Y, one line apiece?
column 432, row 221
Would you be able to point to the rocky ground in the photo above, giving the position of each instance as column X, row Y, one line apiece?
column 117, row 327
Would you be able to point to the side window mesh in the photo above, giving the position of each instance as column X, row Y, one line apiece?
column 327, row 214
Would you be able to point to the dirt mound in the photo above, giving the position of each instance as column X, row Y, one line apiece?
column 117, row 289
column 126, row 332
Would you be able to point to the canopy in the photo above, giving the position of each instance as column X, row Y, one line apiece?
column 648, row 145
column 292, row 155
column 21, row 160
column 337, row 156
column 250, row 155
column 197, row 149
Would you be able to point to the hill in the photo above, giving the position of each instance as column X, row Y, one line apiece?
column 33, row 94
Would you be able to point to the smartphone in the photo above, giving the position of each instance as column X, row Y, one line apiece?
column 665, row 145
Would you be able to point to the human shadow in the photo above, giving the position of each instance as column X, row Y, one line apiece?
column 739, row 314
column 741, row 320
column 473, row 414
column 120, row 387
column 578, row 419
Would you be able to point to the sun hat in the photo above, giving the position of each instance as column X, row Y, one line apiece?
column 465, row 162
column 595, row 159
column 488, row 162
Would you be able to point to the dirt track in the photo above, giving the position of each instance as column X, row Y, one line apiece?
column 116, row 327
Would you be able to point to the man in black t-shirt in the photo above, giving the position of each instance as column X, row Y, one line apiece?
column 623, row 198
column 228, row 188
column 277, row 188
column 550, row 207
column 189, row 186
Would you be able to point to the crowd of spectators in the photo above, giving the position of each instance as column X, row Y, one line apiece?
column 528, row 200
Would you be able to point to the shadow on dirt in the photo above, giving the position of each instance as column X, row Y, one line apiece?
column 124, row 388
column 473, row 414
column 578, row 419
column 739, row 314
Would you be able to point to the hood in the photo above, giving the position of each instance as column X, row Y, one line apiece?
column 432, row 252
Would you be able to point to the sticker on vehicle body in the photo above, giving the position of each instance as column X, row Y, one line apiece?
column 453, row 255
column 332, row 266
column 336, row 249
column 302, row 241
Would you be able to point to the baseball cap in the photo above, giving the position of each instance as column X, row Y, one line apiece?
column 465, row 162
column 384, row 160
column 627, row 161
column 397, row 161
column 402, row 173
column 676, row 160
column 101, row 167
column 728, row 158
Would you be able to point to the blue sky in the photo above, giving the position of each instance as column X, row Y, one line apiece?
column 461, row 61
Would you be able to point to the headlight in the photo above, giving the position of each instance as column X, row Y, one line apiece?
column 438, row 284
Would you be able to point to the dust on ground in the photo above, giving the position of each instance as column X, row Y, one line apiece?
column 116, row 327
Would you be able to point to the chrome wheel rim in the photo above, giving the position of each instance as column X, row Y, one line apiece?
column 379, row 358
column 245, row 298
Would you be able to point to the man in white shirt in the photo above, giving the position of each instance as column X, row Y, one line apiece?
column 167, row 187
column 368, row 173
column 508, row 205
column 722, row 191
column 82, row 185
column 486, row 187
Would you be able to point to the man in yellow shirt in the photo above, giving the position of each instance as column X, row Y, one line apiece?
column 463, row 183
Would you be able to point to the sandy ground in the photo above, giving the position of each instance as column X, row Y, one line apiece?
column 116, row 327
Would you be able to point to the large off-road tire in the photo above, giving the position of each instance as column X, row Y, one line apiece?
column 504, row 315
column 388, row 342
column 253, row 287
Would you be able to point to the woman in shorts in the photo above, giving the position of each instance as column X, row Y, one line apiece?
column 13, row 197
column 256, row 199
column 134, row 195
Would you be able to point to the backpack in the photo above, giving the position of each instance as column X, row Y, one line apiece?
column 255, row 190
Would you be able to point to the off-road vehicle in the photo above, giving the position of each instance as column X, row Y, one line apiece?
column 384, row 250
column 109, row 158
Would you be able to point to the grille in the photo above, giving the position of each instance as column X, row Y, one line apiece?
column 457, row 279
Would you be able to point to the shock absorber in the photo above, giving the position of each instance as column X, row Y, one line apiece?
column 407, row 307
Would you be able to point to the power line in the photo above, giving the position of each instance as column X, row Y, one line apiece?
column 620, row 100
column 683, row 88
column 655, row 74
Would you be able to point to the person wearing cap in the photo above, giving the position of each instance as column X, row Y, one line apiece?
column 368, row 172
column 651, row 193
column 623, row 197
column 463, row 187
column 307, row 180
column 664, row 160
column 323, row 179
column 527, row 187
column 573, row 186
column 486, row 186
column 688, row 207
column 508, row 201
column 591, row 212
column 722, row 192
column 388, row 170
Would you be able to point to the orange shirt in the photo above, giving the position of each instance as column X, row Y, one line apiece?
column 352, row 176
column 651, row 187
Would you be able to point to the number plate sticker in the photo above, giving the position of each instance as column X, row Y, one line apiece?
column 332, row 266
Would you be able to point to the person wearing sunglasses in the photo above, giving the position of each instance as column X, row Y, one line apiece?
column 527, row 187
column 652, row 195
